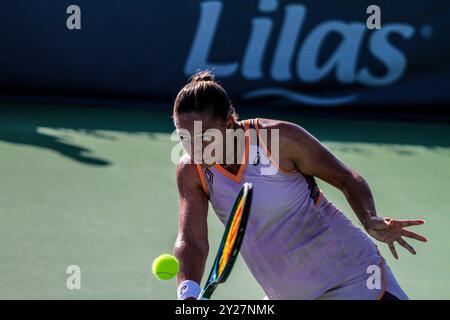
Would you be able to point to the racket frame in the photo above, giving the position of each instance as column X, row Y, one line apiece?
column 214, row 278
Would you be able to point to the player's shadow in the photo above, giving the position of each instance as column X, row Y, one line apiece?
column 22, row 125
column 59, row 145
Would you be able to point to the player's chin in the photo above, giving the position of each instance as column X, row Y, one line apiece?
column 208, row 161
column 208, row 164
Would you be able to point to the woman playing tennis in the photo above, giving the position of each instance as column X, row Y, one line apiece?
column 297, row 245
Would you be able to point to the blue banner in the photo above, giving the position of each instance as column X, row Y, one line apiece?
column 306, row 53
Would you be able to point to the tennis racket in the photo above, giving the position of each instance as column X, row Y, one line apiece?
column 231, row 241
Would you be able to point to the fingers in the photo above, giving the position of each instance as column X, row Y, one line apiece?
column 393, row 251
column 413, row 235
column 405, row 245
column 408, row 223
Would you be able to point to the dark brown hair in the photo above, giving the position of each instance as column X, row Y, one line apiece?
column 204, row 94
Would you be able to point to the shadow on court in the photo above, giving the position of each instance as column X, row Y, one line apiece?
column 64, row 148
column 20, row 124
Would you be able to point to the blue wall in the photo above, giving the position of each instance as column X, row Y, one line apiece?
column 316, row 53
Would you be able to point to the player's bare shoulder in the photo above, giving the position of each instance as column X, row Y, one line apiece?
column 288, row 135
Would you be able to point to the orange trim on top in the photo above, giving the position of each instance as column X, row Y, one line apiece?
column 319, row 198
column 202, row 177
column 263, row 144
column 383, row 276
column 237, row 178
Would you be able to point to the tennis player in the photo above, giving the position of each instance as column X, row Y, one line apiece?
column 297, row 245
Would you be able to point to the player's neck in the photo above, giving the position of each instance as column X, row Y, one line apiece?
column 237, row 145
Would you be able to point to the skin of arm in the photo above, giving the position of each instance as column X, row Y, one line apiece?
column 191, row 246
column 312, row 158
column 303, row 152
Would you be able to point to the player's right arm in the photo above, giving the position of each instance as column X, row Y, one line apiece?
column 191, row 246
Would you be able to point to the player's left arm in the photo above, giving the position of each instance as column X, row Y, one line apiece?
column 312, row 158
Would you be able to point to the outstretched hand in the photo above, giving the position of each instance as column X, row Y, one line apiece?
column 389, row 230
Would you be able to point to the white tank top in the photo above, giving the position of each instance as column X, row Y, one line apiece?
column 297, row 245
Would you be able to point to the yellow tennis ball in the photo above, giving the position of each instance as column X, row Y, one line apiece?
column 165, row 267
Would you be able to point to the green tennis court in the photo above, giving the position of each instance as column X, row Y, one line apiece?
column 95, row 187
